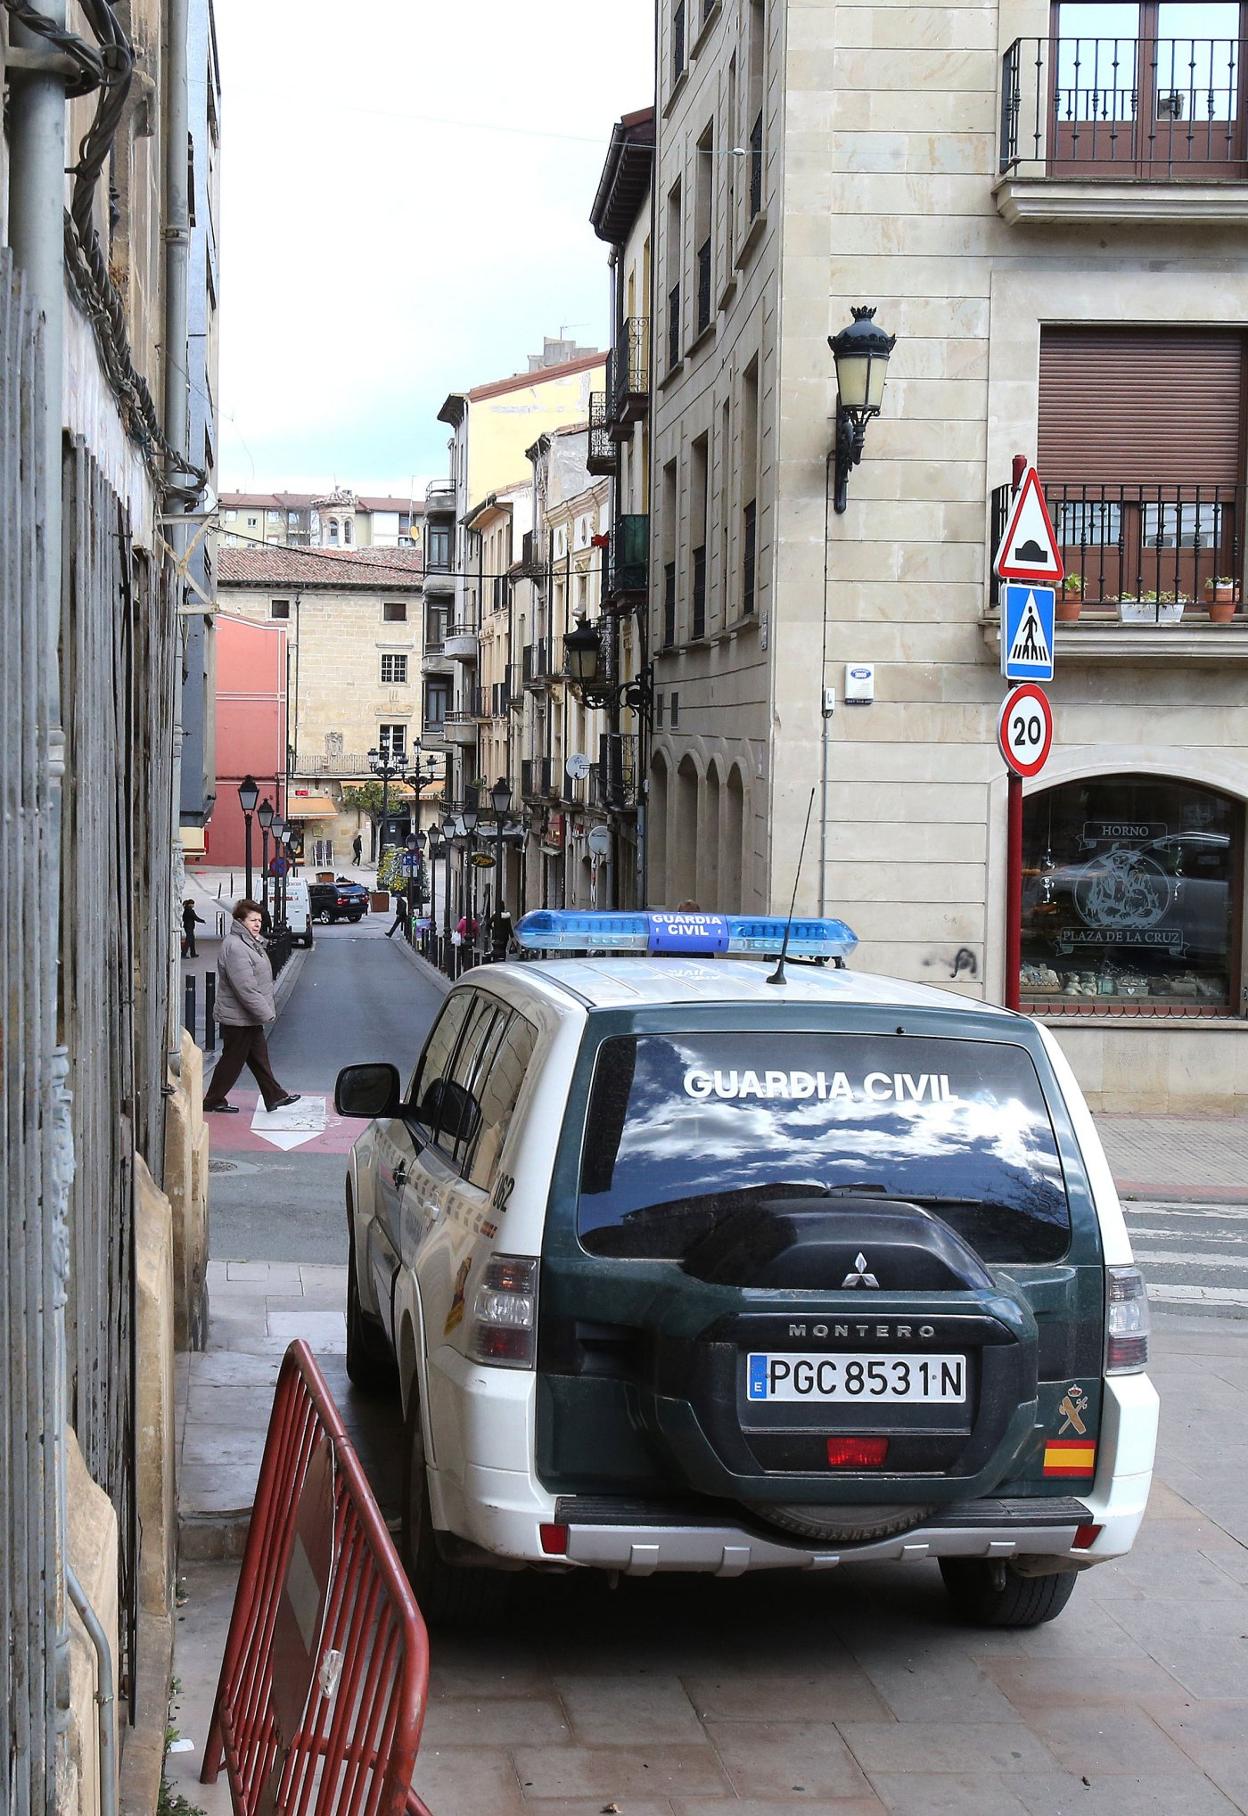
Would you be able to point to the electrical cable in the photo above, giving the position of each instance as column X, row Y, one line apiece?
column 90, row 63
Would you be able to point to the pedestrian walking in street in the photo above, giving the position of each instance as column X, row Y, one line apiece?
column 190, row 920
column 401, row 913
column 244, row 1007
column 467, row 928
column 357, row 850
column 500, row 934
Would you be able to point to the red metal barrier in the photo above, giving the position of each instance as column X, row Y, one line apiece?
column 326, row 1669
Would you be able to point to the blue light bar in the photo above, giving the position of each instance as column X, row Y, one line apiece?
column 667, row 931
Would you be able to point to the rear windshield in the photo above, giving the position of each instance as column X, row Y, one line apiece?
column 683, row 1130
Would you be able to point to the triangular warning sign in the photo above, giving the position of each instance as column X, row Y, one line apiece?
column 1030, row 644
column 1029, row 548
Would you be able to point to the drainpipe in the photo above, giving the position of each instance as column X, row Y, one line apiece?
column 37, row 159
column 177, row 236
column 105, row 1700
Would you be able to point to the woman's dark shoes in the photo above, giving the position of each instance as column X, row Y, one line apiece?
column 222, row 1109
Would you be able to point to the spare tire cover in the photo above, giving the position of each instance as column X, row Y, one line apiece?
column 845, row 1525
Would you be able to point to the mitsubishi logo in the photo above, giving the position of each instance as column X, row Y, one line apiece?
column 860, row 1276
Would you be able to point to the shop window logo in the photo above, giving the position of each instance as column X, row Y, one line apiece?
column 1123, row 890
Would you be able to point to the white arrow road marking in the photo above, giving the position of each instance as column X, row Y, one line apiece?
column 291, row 1124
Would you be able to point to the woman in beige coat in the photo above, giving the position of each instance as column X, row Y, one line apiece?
column 244, row 1006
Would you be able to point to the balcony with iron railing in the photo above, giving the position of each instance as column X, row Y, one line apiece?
column 630, row 558
column 340, row 763
column 615, row 773
column 535, row 663
column 440, row 498
column 463, row 642
column 537, row 779
column 602, row 457
column 628, row 375
column 1103, row 128
column 704, row 286
column 1150, row 570
column 533, row 553
column 460, row 728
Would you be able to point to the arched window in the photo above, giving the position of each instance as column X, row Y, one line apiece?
column 1130, row 885
column 346, row 531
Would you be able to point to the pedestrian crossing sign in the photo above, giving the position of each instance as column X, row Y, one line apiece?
column 1027, row 618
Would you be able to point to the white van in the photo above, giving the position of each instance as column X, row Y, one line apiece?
column 298, row 911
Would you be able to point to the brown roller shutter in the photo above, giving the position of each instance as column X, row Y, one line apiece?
column 1141, row 406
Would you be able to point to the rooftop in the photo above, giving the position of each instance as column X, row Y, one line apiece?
column 375, row 569
column 622, row 982
column 452, row 410
column 303, row 501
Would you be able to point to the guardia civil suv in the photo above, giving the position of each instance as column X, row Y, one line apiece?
column 686, row 1259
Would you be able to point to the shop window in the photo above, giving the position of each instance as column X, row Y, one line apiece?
column 1131, row 886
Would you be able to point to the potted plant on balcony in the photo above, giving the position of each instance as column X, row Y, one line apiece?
column 1151, row 607
column 1070, row 599
column 1222, row 590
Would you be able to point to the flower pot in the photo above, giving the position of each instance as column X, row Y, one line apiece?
column 1069, row 605
column 1150, row 611
column 1221, row 604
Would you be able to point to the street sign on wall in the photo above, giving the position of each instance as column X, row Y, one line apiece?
column 1025, row 729
column 1028, row 614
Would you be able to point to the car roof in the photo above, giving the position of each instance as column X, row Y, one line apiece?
column 622, row 982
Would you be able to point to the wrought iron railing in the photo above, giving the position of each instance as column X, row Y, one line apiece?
column 1150, row 107
column 1143, row 552
column 601, row 457
column 535, row 662
column 748, row 553
column 704, row 284
column 756, row 166
column 616, row 771
column 698, row 620
column 628, row 377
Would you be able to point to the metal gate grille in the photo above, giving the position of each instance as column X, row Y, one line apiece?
column 33, row 1165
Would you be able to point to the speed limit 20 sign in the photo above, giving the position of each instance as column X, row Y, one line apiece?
column 1025, row 729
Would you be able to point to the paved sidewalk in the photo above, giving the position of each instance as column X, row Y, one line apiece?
column 1201, row 1158
column 851, row 1693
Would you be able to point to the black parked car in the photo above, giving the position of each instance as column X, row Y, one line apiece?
column 338, row 901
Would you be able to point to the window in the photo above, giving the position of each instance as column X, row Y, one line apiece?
column 437, row 699
column 754, row 103
column 674, row 715
column 251, row 523
column 435, row 627
column 459, row 1119
column 393, row 670
column 434, row 1064
column 702, row 203
column 1141, row 443
column 674, row 256
column 346, row 531
column 438, row 547
column 393, row 738
column 699, row 464
column 658, row 711
column 683, row 1132
column 332, row 530
column 394, row 611
column 678, row 41
column 1130, row 889
column 279, row 608
column 502, row 1075
column 293, row 518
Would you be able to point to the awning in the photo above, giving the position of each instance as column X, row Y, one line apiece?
column 310, row 807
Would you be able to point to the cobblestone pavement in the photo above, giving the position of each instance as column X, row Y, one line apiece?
column 851, row 1693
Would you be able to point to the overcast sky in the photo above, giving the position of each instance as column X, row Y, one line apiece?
column 406, row 187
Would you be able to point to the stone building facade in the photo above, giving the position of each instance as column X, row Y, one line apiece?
column 354, row 640
column 1051, row 223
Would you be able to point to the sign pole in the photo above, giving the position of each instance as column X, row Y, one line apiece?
column 1013, row 890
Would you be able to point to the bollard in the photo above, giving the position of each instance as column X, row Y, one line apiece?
column 188, row 1011
column 210, row 1011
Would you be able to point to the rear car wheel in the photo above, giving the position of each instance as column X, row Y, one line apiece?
column 840, row 1525
column 325, row 917
column 996, row 1595
column 448, row 1594
column 369, row 1362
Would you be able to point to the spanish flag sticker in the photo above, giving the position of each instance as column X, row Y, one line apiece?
column 1069, row 1457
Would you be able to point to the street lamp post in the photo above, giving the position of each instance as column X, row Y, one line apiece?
column 448, row 833
column 415, row 844
column 861, row 353
column 435, row 847
column 500, row 801
column 248, row 795
column 468, row 819
column 264, row 813
column 387, row 764
column 278, row 829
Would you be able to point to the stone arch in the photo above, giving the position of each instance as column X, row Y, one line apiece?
column 732, row 842
column 708, row 855
column 683, row 868
column 656, row 830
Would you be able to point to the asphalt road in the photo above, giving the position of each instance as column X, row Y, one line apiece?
column 358, row 998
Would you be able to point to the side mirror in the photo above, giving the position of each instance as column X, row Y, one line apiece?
column 368, row 1091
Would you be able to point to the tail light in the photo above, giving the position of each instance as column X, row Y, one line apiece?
column 504, row 1313
column 856, row 1453
column 1126, row 1321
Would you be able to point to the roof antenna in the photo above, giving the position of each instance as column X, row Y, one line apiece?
column 777, row 976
